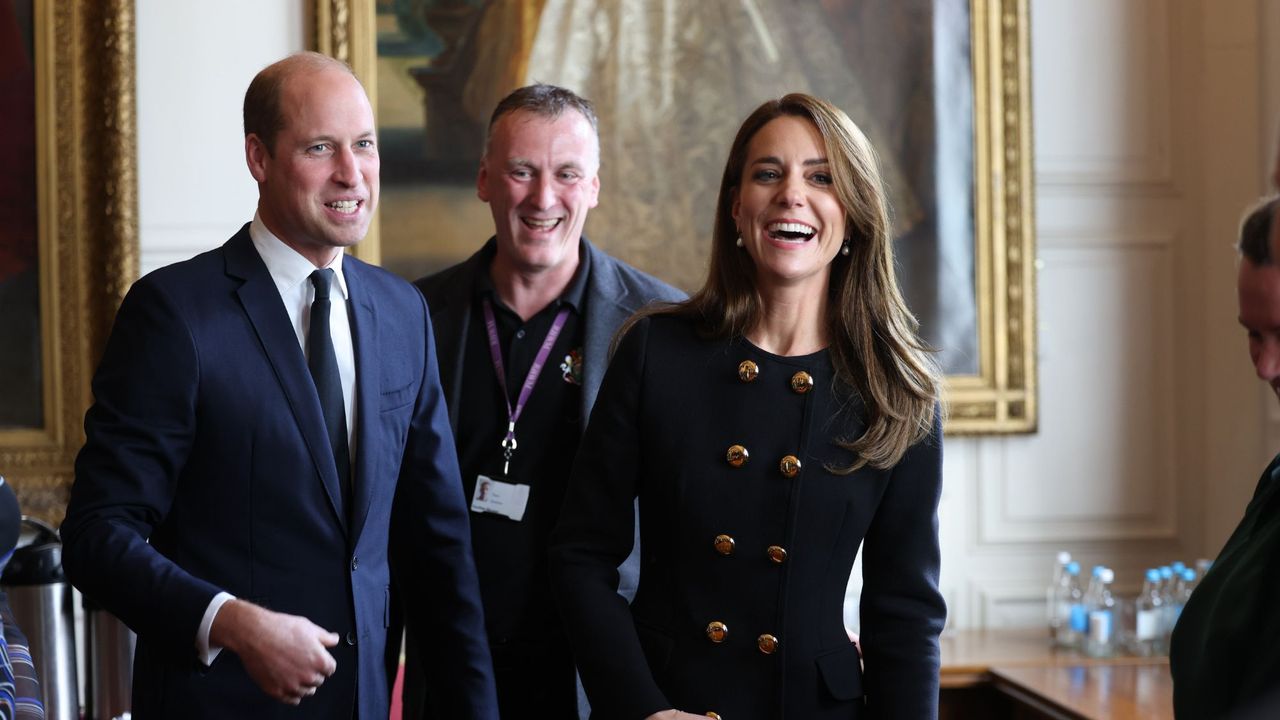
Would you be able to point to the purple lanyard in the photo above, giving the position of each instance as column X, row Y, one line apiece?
column 495, row 351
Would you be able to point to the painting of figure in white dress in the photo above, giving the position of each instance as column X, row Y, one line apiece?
column 671, row 82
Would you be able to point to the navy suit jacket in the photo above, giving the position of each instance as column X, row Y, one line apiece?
column 207, row 467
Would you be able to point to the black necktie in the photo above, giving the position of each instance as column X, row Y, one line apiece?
column 323, row 362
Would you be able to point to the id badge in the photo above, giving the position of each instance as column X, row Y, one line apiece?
column 499, row 498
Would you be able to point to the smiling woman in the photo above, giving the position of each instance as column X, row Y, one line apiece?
column 788, row 327
column 787, row 213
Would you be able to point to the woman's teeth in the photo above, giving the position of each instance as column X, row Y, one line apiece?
column 790, row 231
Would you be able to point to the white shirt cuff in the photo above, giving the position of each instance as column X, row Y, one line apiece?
column 204, row 653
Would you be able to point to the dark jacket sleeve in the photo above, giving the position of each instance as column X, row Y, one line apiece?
column 902, row 610
column 431, row 546
column 595, row 534
column 139, row 432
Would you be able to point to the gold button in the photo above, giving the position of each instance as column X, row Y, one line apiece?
column 724, row 544
column 789, row 466
column 777, row 554
column 714, row 715
column 737, row 455
column 767, row 643
column 717, row 631
column 747, row 371
column 801, row 382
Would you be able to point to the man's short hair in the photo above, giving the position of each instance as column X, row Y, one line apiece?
column 1255, row 232
column 263, row 115
column 547, row 101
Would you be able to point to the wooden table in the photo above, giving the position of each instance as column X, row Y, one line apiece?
column 1016, row 674
column 1090, row 692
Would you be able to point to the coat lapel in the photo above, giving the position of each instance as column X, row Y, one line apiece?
column 606, row 310
column 364, row 335
column 261, row 301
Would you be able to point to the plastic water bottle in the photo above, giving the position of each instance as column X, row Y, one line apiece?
column 1166, row 594
column 1077, row 623
column 1100, row 641
column 1186, row 582
column 1185, row 588
column 1149, row 632
column 1057, row 598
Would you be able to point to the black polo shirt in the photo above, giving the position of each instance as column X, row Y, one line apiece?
column 511, row 556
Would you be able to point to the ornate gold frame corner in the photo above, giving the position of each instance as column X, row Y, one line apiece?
column 1001, row 397
column 86, row 172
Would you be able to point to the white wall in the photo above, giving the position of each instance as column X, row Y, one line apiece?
column 195, row 60
column 1155, row 121
column 1149, row 144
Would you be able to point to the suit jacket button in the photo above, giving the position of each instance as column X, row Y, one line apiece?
column 801, row 383
column 777, row 554
column 747, row 371
column 724, row 544
column 790, row 466
column 351, row 637
column 717, row 631
column 767, row 643
column 355, row 563
column 736, row 455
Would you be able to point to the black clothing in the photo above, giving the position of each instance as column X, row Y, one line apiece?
column 534, row 670
column 743, row 523
column 1225, row 651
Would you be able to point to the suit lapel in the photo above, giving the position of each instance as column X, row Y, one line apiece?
column 261, row 302
column 364, row 335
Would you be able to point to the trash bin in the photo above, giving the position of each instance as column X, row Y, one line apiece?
column 40, row 599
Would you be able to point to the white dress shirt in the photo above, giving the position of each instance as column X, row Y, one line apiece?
column 291, row 274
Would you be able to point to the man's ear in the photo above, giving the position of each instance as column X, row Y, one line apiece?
column 256, row 156
column 595, row 191
column 482, row 177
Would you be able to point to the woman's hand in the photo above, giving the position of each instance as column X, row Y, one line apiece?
column 675, row 715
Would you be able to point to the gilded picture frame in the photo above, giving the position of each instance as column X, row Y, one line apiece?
column 86, row 227
column 998, row 393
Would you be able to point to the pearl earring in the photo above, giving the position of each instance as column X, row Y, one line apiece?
column 844, row 249
column 739, row 242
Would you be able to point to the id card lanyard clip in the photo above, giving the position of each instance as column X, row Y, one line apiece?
column 509, row 443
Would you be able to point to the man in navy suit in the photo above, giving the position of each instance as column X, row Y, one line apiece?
column 233, row 501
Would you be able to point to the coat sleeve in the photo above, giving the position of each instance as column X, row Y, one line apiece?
column 595, row 534
column 139, row 432
column 432, row 561
column 902, row 610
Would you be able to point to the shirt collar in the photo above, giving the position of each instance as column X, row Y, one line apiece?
column 573, row 295
column 288, row 269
